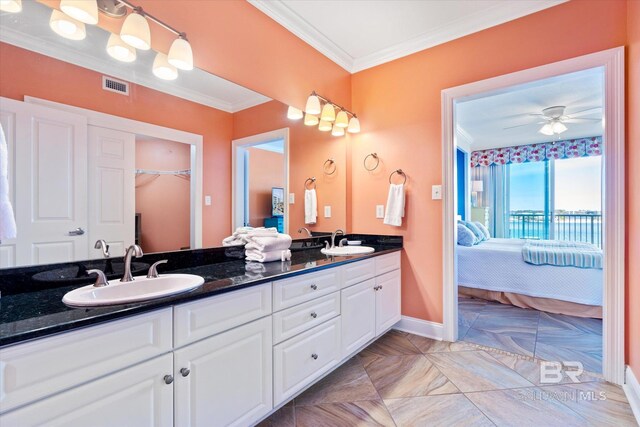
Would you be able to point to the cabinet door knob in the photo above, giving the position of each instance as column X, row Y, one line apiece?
column 314, row 356
column 313, row 314
column 314, row 286
column 380, row 287
column 168, row 379
column 375, row 288
column 185, row 371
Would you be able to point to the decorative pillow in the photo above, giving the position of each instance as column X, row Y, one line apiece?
column 480, row 237
column 484, row 230
column 465, row 236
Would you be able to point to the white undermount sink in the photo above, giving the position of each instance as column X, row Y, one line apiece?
column 141, row 289
column 348, row 250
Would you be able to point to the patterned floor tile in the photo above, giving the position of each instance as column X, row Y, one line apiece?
column 283, row 417
column 505, row 319
column 551, row 322
column 555, row 350
column 427, row 345
column 450, row 410
column 393, row 343
column 365, row 413
column 520, row 344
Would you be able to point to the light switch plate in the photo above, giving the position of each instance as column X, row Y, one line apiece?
column 207, row 200
column 292, row 198
column 327, row 211
column 379, row 211
column 436, row 192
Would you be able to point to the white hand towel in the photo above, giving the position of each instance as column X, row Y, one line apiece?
column 266, row 232
column 7, row 220
column 310, row 206
column 278, row 255
column 395, row 205
column 233, row 241
column 268, row 243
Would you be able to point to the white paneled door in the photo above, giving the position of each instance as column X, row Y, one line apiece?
column 111, row 189
column 49, row 174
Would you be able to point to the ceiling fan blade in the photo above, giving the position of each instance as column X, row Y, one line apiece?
column 519, row 126
column 584, row 111
column 579, row 120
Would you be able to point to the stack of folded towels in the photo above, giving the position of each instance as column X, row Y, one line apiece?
column 264, row 247
column 239, row 237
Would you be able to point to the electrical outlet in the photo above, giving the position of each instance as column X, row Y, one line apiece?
column 207, row 200
column 327, row 211
column 436, row 192
column 292, row 198
column 379, row 211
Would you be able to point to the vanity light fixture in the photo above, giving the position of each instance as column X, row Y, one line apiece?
column 135, row 31
column 328, row 113
column 313, row 104
column 328, row 120
column 294, row 114
column 342, row 119
column 85, row 11
column 66, row 26
column 11, row 6
column 163, row 69
column 324, row 126
column 337, row 131
column 354, row 125
column 118, row 49
column 310, row 120
column 180, row 53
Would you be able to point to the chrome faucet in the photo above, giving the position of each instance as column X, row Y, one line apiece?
column 133, row 250
column 101, row 244
column 301, row 229
column 333, row 237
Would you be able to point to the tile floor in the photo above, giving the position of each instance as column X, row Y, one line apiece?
column 546, row 336
column 407, row 380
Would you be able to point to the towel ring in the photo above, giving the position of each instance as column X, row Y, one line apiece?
column 330, row 162
column 399, row 172
column 375, row 156
column 312, row 181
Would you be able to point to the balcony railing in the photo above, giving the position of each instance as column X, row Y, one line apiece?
column 572, row 227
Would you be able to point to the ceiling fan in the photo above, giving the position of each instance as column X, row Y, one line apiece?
column 554, row 119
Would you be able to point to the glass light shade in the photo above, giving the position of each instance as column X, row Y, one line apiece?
column 342, row 120
column 294, row 114
column 135, row 32
column 181, row 55
column 11, row 6
column 558, row 127
column 354, row 125
column 328, row 113
column 162, row 69
column 324, row 126
column 310, row 119
column 337, row 131
column 83, row 10
column 313, row 105
column 119, row 50
column 546, row 129
column 66, row 26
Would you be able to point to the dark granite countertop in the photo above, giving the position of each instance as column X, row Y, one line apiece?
column 41, row 312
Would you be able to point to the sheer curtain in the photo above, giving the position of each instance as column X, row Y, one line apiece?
column 495, row 196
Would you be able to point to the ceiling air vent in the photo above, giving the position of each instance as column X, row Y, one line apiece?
column 113, row 85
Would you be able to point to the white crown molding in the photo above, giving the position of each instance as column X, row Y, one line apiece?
column 464, row 140
column 498, row 14
column 113, row 69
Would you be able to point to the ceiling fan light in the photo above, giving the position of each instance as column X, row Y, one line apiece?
column 310, row 119
column 11, row 6
column 67, row 27
column 558, row 127
column 180, row 54
column 83, row 10
column 324, row 126
column 342, row 120
column 354, row 125
column 162, row 69
column 119, row 50
column 313, row 105
column 294, row 114
column 337, row 131
column 328, row 113
column 547, row 129
column 135, row 31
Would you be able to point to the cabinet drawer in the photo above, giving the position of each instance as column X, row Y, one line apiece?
column 387, row 263
column 201, row 319
column 290, row 292
column 358, row 272
column 294, row 320
column 301, row 360
column 43, row 367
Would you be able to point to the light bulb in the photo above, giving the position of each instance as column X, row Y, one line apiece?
column 135, row 31
column 328, row 113
column 354, row 125
column 324, row 126
column 180, row 54
column 546, row 129
column 119, row 50
column 310, row 119
column 558, row 127
column 162, row 69
column 313, row 105
column 342, row 120
column 83, row 10
column 337, row 131
column 11, row 6
column 66, row 26
column 294, row 114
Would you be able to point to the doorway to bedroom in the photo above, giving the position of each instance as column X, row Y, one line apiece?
column 529, row 218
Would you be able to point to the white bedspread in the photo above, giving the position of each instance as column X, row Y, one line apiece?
column 497, row 265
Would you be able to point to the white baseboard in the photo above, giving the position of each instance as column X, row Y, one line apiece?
column 421, row 327
column 632, row 390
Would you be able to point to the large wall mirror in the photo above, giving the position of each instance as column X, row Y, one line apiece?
column 100, row 149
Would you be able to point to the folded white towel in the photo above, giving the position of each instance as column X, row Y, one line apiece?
column 310, row 207
column 239, row 237
column 233, row 241
column 266, row 232
column 395, row 205
column 7, row 219
column 268, row 243
column 260, row 256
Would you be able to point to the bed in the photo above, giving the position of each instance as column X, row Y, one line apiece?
column 495, row 270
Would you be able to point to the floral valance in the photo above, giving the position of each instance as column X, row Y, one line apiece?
column 567, row 149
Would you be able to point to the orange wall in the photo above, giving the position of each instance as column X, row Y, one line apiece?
column 308, row 150
column 44, row 77
column 399, row 104
column 266, row 170
column 633, row 186
column 163, row 200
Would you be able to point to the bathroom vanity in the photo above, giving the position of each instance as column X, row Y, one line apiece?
column 225, row 355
